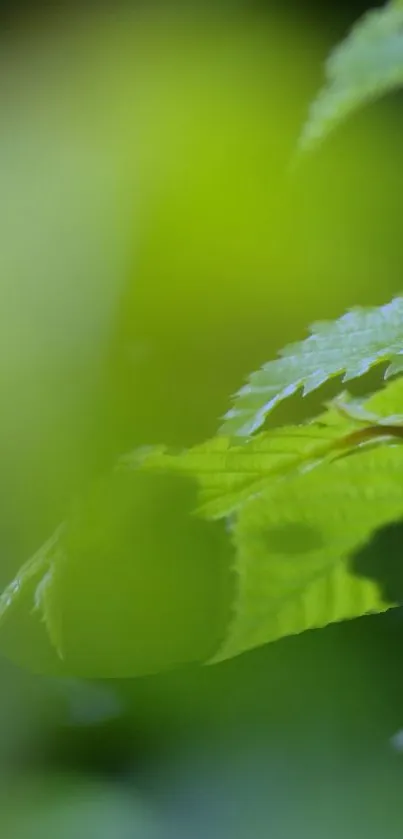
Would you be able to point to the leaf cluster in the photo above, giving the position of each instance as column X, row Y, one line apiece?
column 297, row 502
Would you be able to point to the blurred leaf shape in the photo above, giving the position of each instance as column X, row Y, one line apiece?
column 365, row 66
column 127, row 585
column 73, row 807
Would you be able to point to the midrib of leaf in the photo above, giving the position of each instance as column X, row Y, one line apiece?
column 228, row 475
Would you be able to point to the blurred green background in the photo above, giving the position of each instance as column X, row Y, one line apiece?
column 154, row 249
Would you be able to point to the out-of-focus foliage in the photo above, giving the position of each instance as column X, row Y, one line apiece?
column 131, row 583
column 136, row 150
column 365, row 66
column 73, row 808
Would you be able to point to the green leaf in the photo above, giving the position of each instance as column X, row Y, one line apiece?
column 385, row 406
column 294, row 543
column 365, row 66
column 229, row 475
column 131, row 551
column 351, row 345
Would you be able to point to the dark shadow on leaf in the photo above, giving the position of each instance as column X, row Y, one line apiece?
column 381, row 560
column 293, row 538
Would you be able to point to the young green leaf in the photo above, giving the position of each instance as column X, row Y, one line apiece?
column 351, row 345
column 366, row 65
column 229, row 475
column 294, row 542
